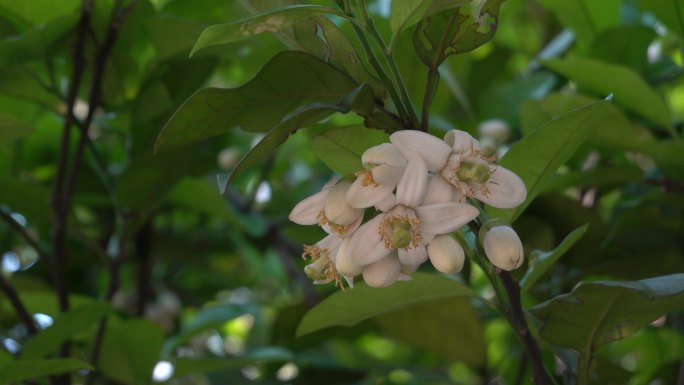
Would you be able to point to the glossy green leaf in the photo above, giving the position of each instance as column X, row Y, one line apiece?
column 617, row 130
column 12, row 128
column 185, row 366
column 350, row 307
column 545, row 260
column 406, row 13
column 18, row 371
column 340, row 148
column 625, row 45
column 597, row 313
column 538, row 155
column 36, row 11
column 455, row 31
column 359, row 100
column 130, row 350
column 605, row 177
column 628, row 88
column 585, row 17
column 65, row 326
column 424, row 325
column 270, row 21
column 34, row 44
column 258, row 105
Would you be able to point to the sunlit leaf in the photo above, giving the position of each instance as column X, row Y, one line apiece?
column 350, row 307
column 269, row 21
column 628, row 88
column 288, row 81
column 340, row 148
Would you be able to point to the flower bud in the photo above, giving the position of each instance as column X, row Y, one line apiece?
column 446, row 255
column 495, row 129
column 336, row 209
column 382, row 273
column 503, row 247
column 344, row 263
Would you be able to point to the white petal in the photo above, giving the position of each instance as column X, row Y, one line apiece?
column 408, row 270
column 385, row 153
column 434, row 151
column 439, row 191
column 387, row 204
column 360, row 196
column 366, row 246
column 414, row 256
column 496, row 129
column 413, row 184
column 461, row 142
column 306, row 212
column 343, row 231
column 343, row 261
column 505, row 190
column 337, row 210
column 503, row 247
column 404, row 277
column 386, row 174
column 446, row 255
column 382, row 273
column 443, row 218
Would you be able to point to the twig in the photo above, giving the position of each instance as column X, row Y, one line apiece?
column 430, row 90
column 680, row 377
column 23, row 314
column 21, row 230
column 517, row 318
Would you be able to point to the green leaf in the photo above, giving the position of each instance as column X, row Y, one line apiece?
column 597, row 313
column 34, row 44
column 406, row 13
column 585, row 17
column 628, row 88
column 625, row 45
column 209, row 317
column 423, row 325
column 455, row 31
column 340, row 148
column 12, row 128
column 172, row 36
column 130, row 350
column 65, row 326
column 544, row 261
column 601, row 176
column 28, row 199
column 538, row 155
column 288, row 81
column 668, row 11
column 36, row 12
column 350, row 307
column 270, row 21
column 359, row 100
column 17, row 371
column 185, row 366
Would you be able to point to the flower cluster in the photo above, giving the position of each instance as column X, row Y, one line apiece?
column 419, row 186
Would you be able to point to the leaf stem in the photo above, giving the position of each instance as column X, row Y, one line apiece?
column 386, row 52
column 19, row 308
column 430, row 89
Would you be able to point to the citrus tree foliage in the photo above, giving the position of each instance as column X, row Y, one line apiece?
column 152, row 153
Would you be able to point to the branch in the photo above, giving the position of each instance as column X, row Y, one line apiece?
column 21, row 230
column 23, row 314
column 517, row 318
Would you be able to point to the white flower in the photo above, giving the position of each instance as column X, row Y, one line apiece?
column 329, row 208
column 446, row 255
column 408, row 226
column 383, row 167
column 322, row 268
column 344, row 263
column 458, row 159
column 495, row 129
column 503, row 247
column 383, row 272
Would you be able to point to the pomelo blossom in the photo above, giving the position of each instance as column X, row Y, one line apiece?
column 322, row 268
column 383, row 167
column 329, row 209
column 459, row 160
column 503, row 247
column 407, row 227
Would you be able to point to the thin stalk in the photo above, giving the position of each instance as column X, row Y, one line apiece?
column 19, row 308
column 394, row 69
column 430, row 91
